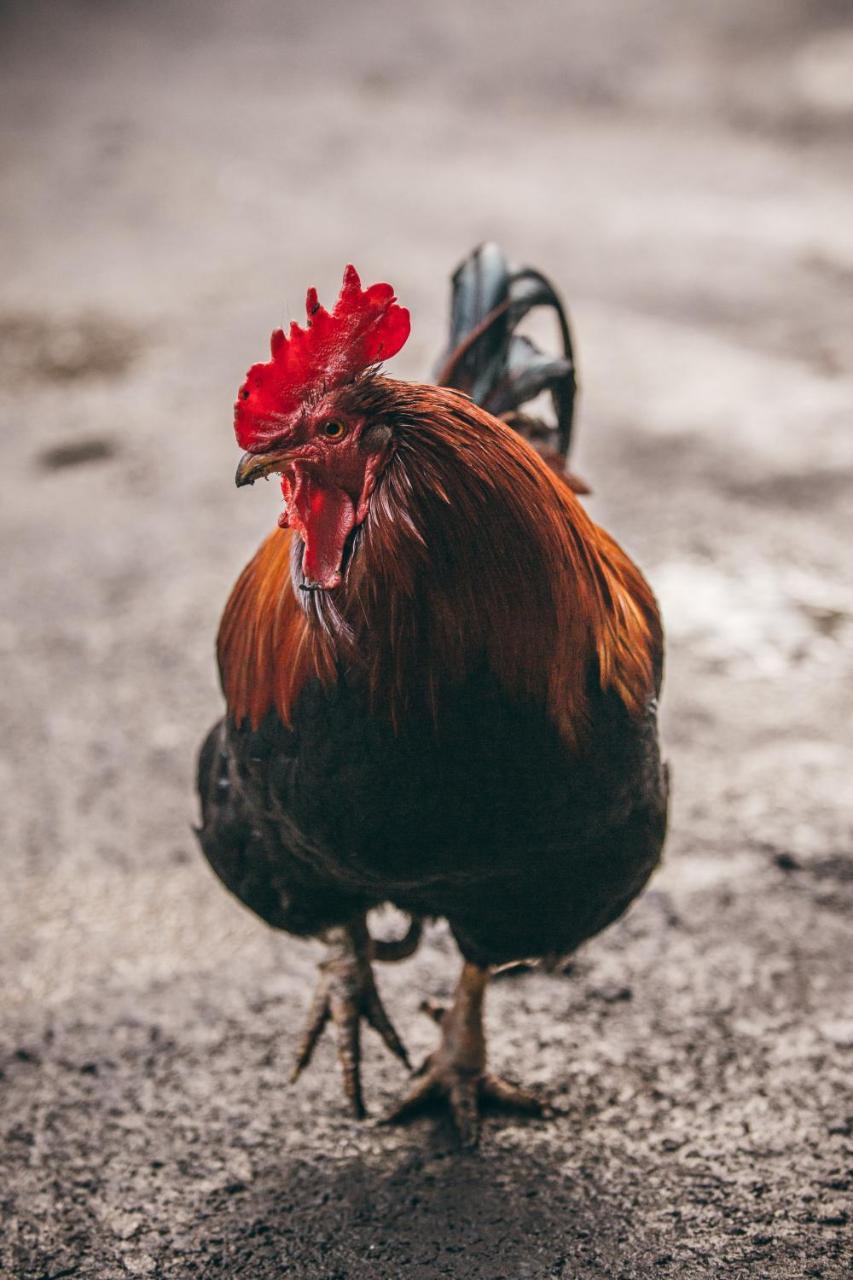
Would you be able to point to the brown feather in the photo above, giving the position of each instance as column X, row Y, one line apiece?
column 474, row 551
column 265, row 647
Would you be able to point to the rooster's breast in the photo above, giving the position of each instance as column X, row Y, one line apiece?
column 482, row 814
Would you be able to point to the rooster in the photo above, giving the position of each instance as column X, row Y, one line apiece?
column 441, row 676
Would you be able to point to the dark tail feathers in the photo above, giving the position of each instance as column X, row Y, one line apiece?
column 502, row 370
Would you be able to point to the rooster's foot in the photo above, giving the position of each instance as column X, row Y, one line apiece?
column 457, row 1070
column 346, row 993
column 466, row 1093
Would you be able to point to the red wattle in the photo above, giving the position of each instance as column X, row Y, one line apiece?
column 324, row 515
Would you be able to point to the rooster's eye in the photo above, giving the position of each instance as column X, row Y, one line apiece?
column 333, row 430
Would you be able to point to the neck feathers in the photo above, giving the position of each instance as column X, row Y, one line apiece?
column 474, row 553
column 265, row 647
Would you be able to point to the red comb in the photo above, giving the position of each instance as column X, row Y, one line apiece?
column 366, row 326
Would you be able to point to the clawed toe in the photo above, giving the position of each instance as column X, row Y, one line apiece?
column 466, row 1095
column 456, row 1073
column 346, row 994
column 512, row 1097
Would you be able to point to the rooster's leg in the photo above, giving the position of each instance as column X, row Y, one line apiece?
column 457, row 1069
column 346, row 993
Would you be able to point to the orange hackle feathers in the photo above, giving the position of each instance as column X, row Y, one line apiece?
column 474, row 553
column 265, row 648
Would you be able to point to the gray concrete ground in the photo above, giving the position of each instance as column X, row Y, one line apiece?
column 173, row 176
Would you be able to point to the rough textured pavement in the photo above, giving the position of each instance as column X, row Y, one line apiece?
column 173, row 176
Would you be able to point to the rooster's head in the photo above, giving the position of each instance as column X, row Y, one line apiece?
column 305, row 415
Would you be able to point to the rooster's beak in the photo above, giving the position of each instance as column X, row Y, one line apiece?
column 254, row 465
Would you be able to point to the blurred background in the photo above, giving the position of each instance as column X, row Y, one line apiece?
column 173, row 176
